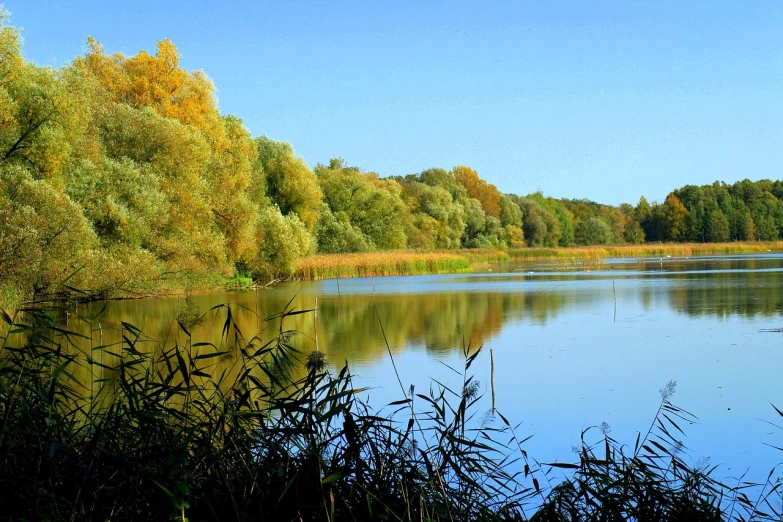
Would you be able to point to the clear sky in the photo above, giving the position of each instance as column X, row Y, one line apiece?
column 600, row 100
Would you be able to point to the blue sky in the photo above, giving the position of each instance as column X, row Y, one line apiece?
column 600, row 100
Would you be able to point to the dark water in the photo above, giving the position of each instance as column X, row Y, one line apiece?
column 574, row 346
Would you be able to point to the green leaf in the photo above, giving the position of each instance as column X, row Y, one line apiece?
column 331, row 478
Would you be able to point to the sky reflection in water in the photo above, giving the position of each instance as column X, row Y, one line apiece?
column 565, row 357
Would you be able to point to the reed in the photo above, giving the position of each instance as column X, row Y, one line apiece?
column 393, row 263
column 168, row 437
column 594, row 254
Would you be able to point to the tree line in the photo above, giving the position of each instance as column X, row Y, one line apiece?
column 120, row 172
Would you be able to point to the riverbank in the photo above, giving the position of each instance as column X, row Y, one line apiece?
column 400, row 262
column 596, row 253
column 393, row 263
column 410, row 262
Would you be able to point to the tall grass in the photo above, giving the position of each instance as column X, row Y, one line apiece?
column 391, row 263
column 166, row 436
column 596, row 253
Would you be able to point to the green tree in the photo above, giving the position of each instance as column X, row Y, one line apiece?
column 44, row 113
column 510, row 213
column 335, row 234
column 291, row 185
column 123, row 204
column 767, row 229
column 438, row 220
column 717, row 229
column 282, row 240
column 475, row 221
column 540, row 227
column 592, row 232
column 43, row 235
column 369, row 203
column 565, row 219
column 633, row 232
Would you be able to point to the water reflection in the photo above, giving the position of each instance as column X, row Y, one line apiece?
column 444, row 313
column 348, row 325
column 566, row 356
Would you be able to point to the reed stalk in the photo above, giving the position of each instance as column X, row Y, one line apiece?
column 169, row 436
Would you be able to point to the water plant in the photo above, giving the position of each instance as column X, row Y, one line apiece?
column 151, row 429
column 596, row 253
column 165, row 436
column 400, row 262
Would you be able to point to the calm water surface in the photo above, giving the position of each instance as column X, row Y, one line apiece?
column 574, row 346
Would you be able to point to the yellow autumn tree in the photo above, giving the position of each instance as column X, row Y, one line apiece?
column 155, row 81
column 675, row 218
column 10, row 49
column 228, row 177
column 487, row 194
column 158, row 114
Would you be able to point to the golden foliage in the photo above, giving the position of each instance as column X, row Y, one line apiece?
column 153, row 81
column 650, row 249
column 390, row 263
column 486, row 193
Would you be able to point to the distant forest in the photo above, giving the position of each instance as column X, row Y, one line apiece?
column 120, row 172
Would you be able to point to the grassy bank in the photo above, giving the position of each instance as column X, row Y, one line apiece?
column 596, row 253
column 402, row 262
column 376, row 264
column 163, row 436
column 393, row 263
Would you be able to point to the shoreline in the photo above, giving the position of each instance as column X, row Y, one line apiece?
column 411, row 262
column 595, row 253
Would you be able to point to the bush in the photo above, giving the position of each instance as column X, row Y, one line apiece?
column 283, row 240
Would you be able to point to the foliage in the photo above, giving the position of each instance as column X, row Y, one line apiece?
column 283, row 240
column 438, row 219
column 335, row 234
column 43, row 235
column 327, row 266
column 369, row 204
column 290, row 183
column 150, row 188
column 541, row 228
column 592, row 232
column 485, row 193
column 156, row 432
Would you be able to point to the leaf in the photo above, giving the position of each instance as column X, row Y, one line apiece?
column 561, row 465
column 331, row 478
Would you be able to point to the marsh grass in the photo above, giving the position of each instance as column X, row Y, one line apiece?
column 166, row 435
column 595, row 254
column 392, row 263
column 240, row 279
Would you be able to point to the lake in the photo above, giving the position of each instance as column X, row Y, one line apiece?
column 573, row 345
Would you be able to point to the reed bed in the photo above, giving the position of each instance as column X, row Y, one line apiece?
column 595, row 254
column 167, row 437
column 393, row 263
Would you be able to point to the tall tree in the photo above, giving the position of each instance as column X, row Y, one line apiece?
column 367, row 202
column 290, row 183
column 675, row 218
column 486, row 193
